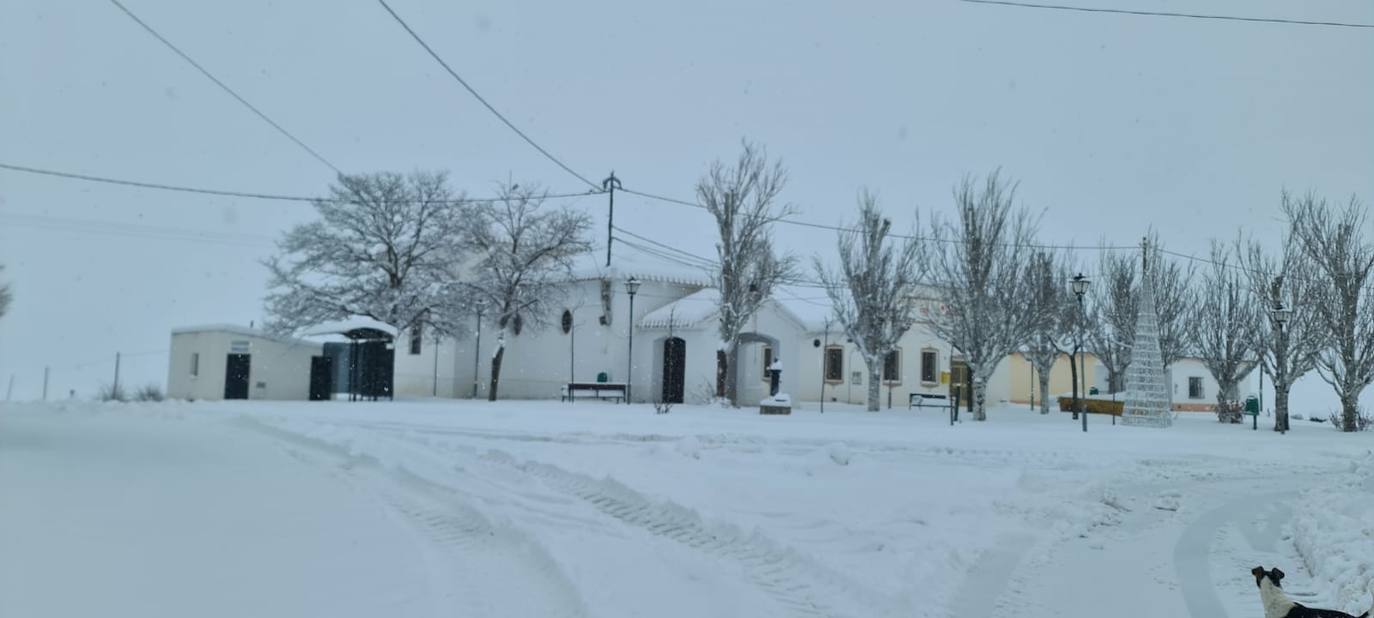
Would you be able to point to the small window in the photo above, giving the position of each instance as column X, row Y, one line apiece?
column 892, row 367
column 1195, row 388
column 856, row 378
column 834, row 364
column 195, row 364
column 930, row 366
column 417, row 335
column 767, row 362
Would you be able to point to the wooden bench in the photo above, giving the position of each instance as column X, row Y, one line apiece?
column 918, row 400
column 593, row 390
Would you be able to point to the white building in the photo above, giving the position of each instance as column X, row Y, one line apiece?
column 675, row 341
column 1195, row 390
column 224, row 361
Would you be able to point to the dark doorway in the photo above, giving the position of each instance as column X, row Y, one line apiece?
column 674, row 369
column 961, row 383
column 236, row 376
column 321, row 378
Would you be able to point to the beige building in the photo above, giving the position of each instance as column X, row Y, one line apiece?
column 1019, row 383
column 225, row 361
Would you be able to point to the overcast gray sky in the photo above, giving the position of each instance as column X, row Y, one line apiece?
column 1112, row 124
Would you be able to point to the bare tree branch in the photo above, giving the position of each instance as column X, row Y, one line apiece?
column 743, row 199
column 1225, row 328
column 874, row 289
column 981, row 277
column 1335, row 242
column 525, row 254
column 386, row 246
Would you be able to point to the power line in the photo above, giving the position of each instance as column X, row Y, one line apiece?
column 243, row 194
column 481, row 99
column 1084, row 9
column 112, row 228
column 840, row 228
column 226, row 88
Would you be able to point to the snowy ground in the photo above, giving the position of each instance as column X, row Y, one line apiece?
column 546, row 509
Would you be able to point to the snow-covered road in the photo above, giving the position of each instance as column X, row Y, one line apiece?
column 543, row 509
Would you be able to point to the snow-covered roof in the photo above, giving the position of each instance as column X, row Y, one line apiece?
column 236, row 329
column 339, row 327
column 685, row 312
column 629, row 262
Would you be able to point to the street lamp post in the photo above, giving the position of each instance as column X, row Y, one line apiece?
column 631, row 287
column 1281, row 316
column 1080, row 287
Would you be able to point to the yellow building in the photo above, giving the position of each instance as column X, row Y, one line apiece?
column 1023, row 382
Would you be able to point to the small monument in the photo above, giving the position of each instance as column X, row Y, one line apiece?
column 775, row 403
column 1147, row 388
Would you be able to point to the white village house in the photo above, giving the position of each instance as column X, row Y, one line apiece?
column 588, row 339
column 224, row 361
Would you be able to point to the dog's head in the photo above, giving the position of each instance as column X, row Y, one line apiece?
column 1274, row 575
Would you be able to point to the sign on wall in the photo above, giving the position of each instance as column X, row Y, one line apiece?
column 238, row 347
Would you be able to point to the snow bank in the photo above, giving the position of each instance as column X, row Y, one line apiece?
column 1334, row 534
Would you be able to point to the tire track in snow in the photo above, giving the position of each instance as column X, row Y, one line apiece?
column 500, row 569
column 1192, row 554
column 798, row 584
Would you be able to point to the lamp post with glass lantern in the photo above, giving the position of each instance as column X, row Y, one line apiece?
column 1080, row 287
column 631, row 287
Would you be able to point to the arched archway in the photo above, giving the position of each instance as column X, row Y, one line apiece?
column 753, row 354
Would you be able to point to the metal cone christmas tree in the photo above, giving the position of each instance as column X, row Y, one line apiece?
column 1147, row 388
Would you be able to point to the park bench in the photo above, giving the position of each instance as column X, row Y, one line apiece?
column 918, row 400
column 593, row 390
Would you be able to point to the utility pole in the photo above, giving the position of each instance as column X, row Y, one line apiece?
column 45, row 383
column 436, row 367
column 609, row 185
column 114, row 390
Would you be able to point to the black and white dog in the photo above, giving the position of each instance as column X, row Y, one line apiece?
column 1278, row 605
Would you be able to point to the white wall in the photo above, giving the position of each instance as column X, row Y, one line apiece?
column 848, row 391
column 1187, row 368
column 277, row 369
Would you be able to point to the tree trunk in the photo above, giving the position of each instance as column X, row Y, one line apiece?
column 1280, row 408
column 1044, row 392
column 980, row 391
column 875, row 383
column 731, row 375
column 1349, row 412
column 496, row 371
column 1073, row 375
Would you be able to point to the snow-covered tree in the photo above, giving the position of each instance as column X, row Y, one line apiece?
column 1053, row 336
column 385, row 246
column 1112, row 315
column 980, row 273
column 873, row 290
column 1288, row 350
column 5, row 295
column 743, row 199
column 1175, row 299
column 1336, row 244
column 524, row 255
column 1225, row 328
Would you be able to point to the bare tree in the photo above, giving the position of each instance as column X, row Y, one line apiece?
column 1336, row 244
column 1290, row 349
column 5, row 295
column 1111, row 325
column 1053, row 335
column 981, row 276
column 1174, row 301
column 525, row 255
column 385, row 247
column 743, row 198
column 1225, row 325
column 874, row 288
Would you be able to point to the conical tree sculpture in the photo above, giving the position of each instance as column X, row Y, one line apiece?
column 1147, row 388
